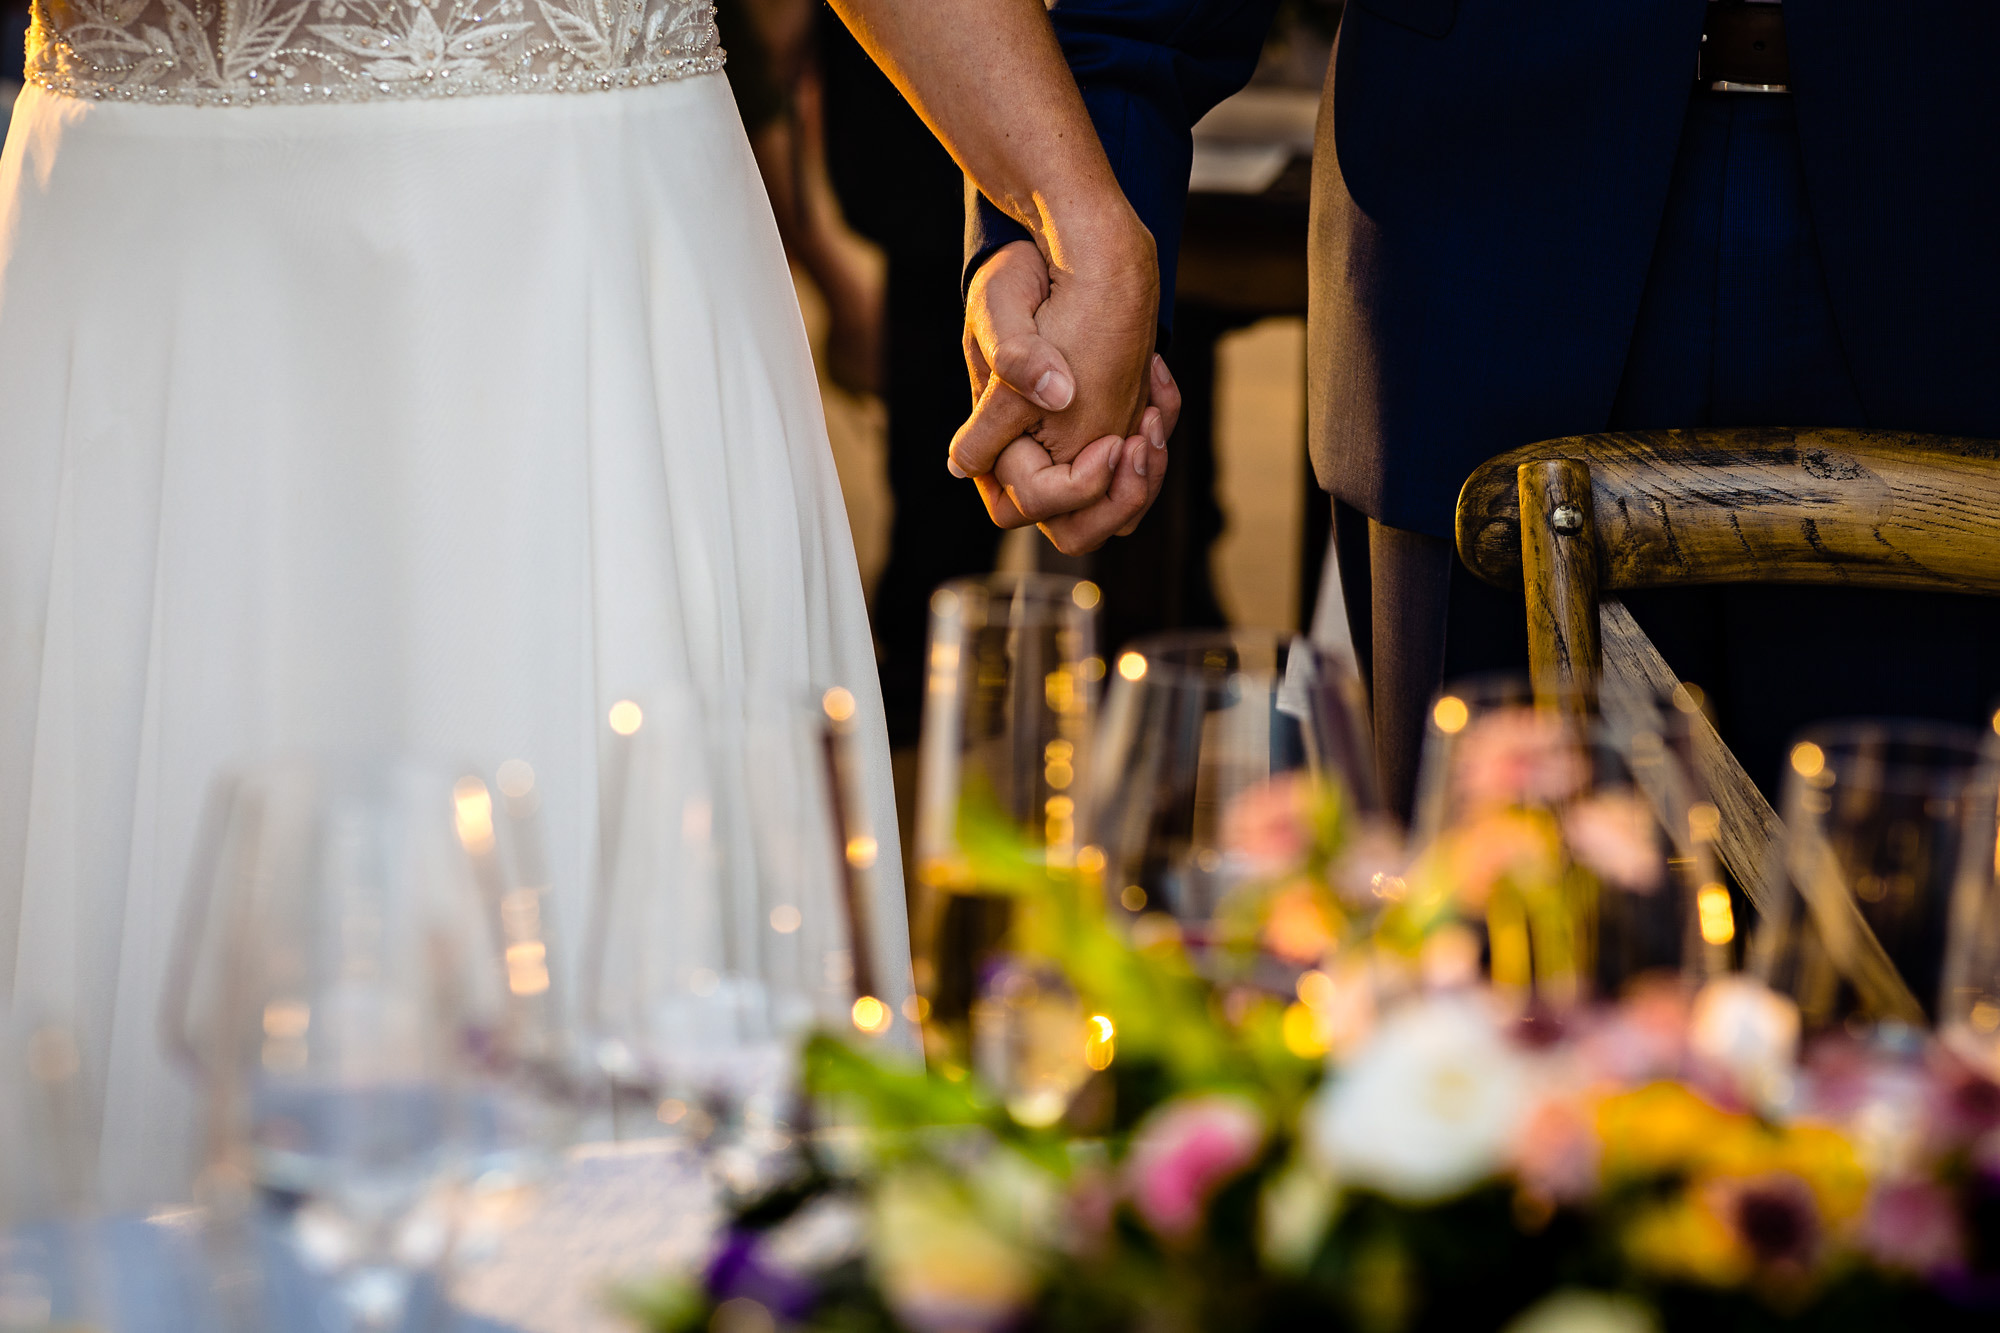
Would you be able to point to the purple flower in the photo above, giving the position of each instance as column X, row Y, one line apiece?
column 740, row 1268
column 1914, row 1226
column 1775, row 1217
column 1967, row 1103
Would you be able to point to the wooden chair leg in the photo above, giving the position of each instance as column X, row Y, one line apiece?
column 1559, row 572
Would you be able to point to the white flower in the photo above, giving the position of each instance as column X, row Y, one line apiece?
column 1585, row 1312
column 825, row 1233
column 1741, row 1025
column 941, row 1267
column 1428, row 1108
column 1292, row 1216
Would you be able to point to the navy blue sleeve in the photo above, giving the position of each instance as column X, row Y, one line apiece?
column 1148, row 69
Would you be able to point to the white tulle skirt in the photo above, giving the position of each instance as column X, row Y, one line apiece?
column 420, row 427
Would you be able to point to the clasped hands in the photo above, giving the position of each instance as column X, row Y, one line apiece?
column 1072, row 407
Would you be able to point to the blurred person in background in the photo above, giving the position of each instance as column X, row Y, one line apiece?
column 779, row 93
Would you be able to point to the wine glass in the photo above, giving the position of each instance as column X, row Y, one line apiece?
column 1008, row 707
column 1583, row 850
column 52, row 1273
column 1031, row 1041
column 1194, row 723
column 355, row 986
column 1876, row 820
column 720, row 933
column 1458, row 706
column 1969, row 1000
column 675, row 998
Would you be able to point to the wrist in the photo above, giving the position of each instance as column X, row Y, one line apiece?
column 1102, row 239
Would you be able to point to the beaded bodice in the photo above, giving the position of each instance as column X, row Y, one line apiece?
column 252, row 52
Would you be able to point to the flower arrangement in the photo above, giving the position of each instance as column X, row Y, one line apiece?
column 1415, row 1130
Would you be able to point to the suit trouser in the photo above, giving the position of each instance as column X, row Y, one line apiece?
column 1734, row 329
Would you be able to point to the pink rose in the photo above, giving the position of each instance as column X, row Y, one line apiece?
column 1270, row 825
column 1557, row 1151
column 1614, row 836
column 1184, row 1152
column 1642, row 1038
column 1518, row 756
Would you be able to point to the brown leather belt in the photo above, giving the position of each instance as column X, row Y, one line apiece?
column 1743, row 48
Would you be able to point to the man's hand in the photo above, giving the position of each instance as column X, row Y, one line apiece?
column 1100, row 300
column 1102, row 492
column 1079, row 493
column 988, row 77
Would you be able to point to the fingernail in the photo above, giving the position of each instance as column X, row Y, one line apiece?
column 1156, row 434
column 1054, row 391
column 1159, row 369
column 951, row 466
column 1139, row 463
column 1111, row 459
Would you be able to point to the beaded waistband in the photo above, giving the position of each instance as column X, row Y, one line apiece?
column 289, row 52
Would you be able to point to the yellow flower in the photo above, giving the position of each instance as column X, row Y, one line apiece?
column 1758, row 1200
column 1685, row 1238
column 1827, row 1161
column 1664, row 1128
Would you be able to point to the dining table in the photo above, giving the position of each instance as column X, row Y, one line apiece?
column 550, row 1259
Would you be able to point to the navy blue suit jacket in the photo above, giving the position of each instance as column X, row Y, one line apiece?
column 1490, row 181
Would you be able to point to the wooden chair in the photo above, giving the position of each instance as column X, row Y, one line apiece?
column 1576, row 519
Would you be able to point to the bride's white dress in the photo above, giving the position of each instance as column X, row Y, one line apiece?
column 391, row 375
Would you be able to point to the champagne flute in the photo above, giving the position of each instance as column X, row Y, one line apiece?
column 1008, row 708
column 1875, row 821
column 343, row 991
column 1194, row 723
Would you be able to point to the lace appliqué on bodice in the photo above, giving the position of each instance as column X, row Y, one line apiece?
column 250, row 52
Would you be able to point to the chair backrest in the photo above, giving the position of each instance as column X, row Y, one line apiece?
column 1571, row 519
column 1882, row 509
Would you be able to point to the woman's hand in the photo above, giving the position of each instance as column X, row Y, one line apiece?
column 1102, row 492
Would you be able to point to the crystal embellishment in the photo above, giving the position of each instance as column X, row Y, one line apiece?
column 287, row 52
